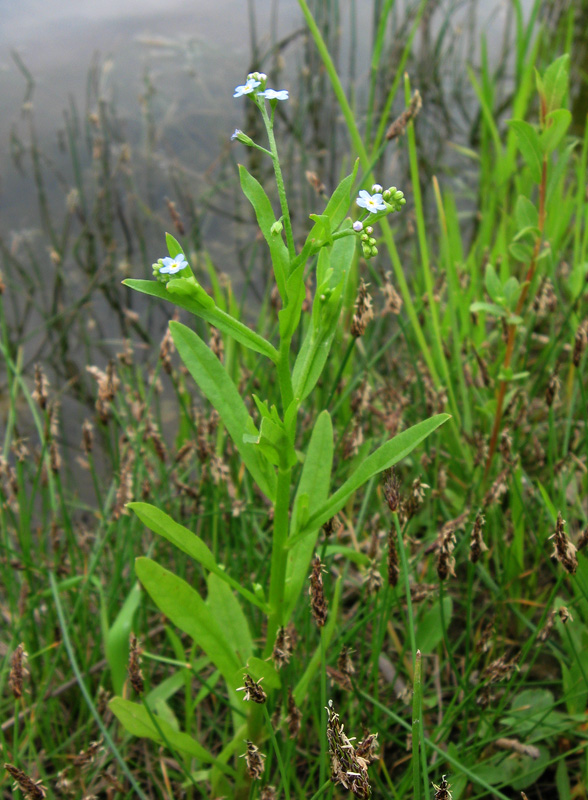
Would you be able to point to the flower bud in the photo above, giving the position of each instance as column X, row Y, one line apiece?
column 377, row 189
column 358, row 226
column 242, row 137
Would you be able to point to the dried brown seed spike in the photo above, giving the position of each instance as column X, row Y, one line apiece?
column 253, row 690
column 364, row 312
column 135, row 674
column 564, row 550
column 32, row 790
column 255, row 761
column 294, row 717
column 318, row 603
column 17, row 671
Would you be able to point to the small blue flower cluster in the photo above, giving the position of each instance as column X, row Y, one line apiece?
column 169, row 266
column 256, row 79
column 380, row 201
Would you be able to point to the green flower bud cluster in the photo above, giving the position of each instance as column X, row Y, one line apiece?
column 368, row 243
column 162, row 278
column 394, row 197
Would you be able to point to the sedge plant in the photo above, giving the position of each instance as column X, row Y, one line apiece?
column 296, row 483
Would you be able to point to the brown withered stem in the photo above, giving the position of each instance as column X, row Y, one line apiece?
column 512, row 328
column 32, row 790
column 135, row 674
column 318, row 603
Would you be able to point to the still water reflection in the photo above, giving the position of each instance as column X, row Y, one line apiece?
column 147, row 86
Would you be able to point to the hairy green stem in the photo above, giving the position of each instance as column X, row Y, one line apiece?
column 279, row 558
column 269, row 125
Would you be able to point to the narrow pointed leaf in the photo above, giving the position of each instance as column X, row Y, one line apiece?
column 214, row 382
column 384, row 457
column 136, row 720
column 314, row 484
column 183, row 606
column 214, row 316
column 183, row 538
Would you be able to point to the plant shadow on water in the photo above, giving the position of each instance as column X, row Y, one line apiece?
column 98, row 412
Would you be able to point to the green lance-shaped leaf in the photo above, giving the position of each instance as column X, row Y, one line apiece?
column 332, row 272
column 313, row 490
column 162, row 524
column 336, row 210
column 136, row 720
column 384, row 457
column 255, row 193
column 556, row 125
column 530, row 146
column 174, row 248
column 216, row 385
column 116, row 645
column 526, row 214
column 555, row 83
column 229, row 615
column 187, row 299
column 183, row 606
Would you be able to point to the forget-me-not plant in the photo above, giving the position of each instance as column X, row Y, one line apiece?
column 295, row 482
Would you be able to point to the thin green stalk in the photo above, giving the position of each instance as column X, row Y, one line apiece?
column 269, row 126
column 323, row 732
column 280, row 760
column 417, row 696
column 89, row 702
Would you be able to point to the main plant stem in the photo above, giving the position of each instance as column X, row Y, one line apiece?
column 279, row 558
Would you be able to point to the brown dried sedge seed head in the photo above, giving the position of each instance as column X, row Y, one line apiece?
column 564, row 551
column 253, row 690
column 294, row 716
column 17, row 671
column 32, row 790
column 318, row 603
column 135, row 674
column 254, row 760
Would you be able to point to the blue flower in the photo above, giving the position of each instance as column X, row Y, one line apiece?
column 173, row 265
column 236, row 134
column 271, row 94
column 246, row 88
column 371, row 202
